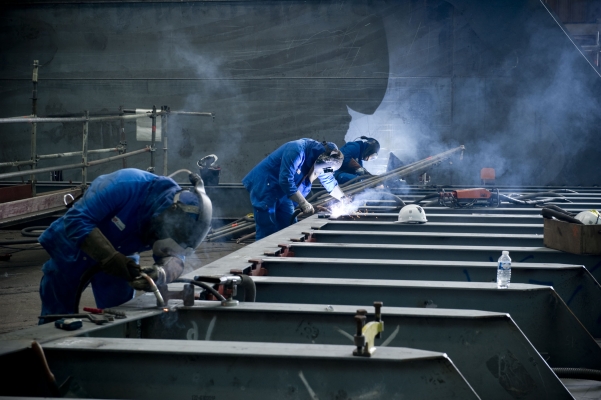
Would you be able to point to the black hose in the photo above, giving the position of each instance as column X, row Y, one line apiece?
column 296, row 213
column 561, row 210
column 22, row 241
column 549, row 213
column 84, row 281
column 29, row 231
column 204, row 286
column 578, row 373
column 426, row 197
column 250, row 289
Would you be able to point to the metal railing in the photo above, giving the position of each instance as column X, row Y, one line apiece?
column 86, row 119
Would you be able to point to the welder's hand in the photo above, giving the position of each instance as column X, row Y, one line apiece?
column 306, row 207
column 121, row 266
column 360, row 171
column 156, row 272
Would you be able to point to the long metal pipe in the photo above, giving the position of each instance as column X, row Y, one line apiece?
column 153, row 115
column 164, row 126
column 58, row 155
column 410, row 169
column 73, row 166
column 74, row 119
column 34, row 113
column 84, row 150
column 16, row 163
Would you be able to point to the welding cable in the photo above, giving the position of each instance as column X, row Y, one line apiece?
column 84, row 281
column 179, row 171
column 559, row 209
column 578, row 373
column 250, row 289
column 32, row 231
column 549, row 213
column 392, row 196
column 543, row 194
column 203, row 285
column 426, row 197
column 296, row 213
column 241, row 228
column 20, row 241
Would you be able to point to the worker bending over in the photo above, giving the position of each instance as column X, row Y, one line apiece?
column 121, row 214
column 355, row 153
column 284, row 178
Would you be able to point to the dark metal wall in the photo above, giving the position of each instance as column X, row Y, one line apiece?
column 501, row 77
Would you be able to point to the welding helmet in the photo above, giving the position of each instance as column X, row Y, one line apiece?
column 589, row 217
column 412, row 214
column 371, row 150
column 330, row 160
column 188, row 220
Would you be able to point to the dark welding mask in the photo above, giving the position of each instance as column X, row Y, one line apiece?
column 188, row 220
column 371, row 150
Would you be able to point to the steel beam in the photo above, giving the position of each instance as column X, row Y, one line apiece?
column 573, row 283
column 167, row 369
column 439, row 253
column 450, row 216
column 539, row 312
column 442, row 227
column 428, row 238
column 478, row 342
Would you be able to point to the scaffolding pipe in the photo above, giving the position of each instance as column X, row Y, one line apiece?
column 16, row 163
column 76, row 153
column 164, row 123
column 123, row 142
column 73, row 166
column 84, row 150
column 153, row 115
column 34, row 128
column 37, row 120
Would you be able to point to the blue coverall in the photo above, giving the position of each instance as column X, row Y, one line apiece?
column 122, row 205
column 278, row 177
column 351, row 150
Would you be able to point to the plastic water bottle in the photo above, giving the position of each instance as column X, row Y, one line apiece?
column 504, row 271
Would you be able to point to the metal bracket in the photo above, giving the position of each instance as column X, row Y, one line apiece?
column 367, row 333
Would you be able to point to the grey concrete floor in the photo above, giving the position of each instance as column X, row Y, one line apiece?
column 20, row 303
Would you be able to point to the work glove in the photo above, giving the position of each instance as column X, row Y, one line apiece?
column 337, row 193
column 156, row 272
column 121, row 266
column 360, row 171
column 304, row 205
column 169, row 264
column 100, row 249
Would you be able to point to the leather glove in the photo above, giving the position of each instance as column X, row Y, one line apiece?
column 360, row 171
column 156, row 272
column 337, row 193
column 304, row 205
column 121, row 266
column 100, row 249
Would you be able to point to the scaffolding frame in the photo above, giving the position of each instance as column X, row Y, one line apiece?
column 85, row 119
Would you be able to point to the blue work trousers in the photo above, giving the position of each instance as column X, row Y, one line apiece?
column 273, row 219
column 58, row 289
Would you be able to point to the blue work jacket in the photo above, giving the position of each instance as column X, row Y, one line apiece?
column 121, row 204
column 285, row 171
column 351, row 150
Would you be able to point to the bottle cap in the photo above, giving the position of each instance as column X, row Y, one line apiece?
column 505, row 252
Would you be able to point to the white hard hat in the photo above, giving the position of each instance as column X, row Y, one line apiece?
column 589, row 217
column 412, row 214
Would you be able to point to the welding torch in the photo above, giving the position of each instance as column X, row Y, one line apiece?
column 154, row 289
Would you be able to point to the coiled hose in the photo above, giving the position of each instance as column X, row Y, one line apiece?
column 578, row 373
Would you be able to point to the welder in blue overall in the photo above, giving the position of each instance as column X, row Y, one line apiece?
column 283, row 179
column 119, row 215
column 365, row 149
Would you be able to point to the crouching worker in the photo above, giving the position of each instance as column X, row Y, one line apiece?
column 355, row 153
column 283, row 179
column 121, row 214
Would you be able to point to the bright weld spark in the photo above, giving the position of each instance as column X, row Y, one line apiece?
column 340, row 209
